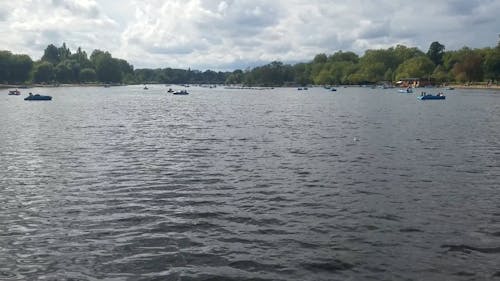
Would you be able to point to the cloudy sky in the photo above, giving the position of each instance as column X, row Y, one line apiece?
column 231, row 34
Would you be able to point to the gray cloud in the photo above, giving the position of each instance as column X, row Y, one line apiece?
column 176, row 50
column 52, row 35
column 238, row 18
column 461, row 7
column 87, row 9
column 3, row 14
column 376, row 30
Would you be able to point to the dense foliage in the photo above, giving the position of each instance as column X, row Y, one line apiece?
column 179, row 76
column 14, row 68
column 60, row 65
column 384, row 65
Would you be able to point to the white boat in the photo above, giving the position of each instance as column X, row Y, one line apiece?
column 406, row 91
column 14, row 92
column 182, row 92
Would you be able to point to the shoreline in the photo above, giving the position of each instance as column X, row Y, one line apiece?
column 27, row 86
column 476, row 87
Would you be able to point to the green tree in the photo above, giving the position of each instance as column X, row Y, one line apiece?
column 107, row 68
column 129, row 78
column 63, row 73
column 302, row 74
column 236, row 77
column 146, row 75
column 451, row 58
column 374, row 64
column 273, row 74
column 125, row 67
column 338, row 71
column 436, row 52
column 440, row 75
column 68, row 71
column 320, row 58
column 75, row 68
column 43, row 72
column 5, row 62
column 88, row 75
column 348, row 70
column 371, row 72
column 403, row 53
column 344, row 56
column 51, row 54
column 469, row 68
column 333, row 70
column 323, row 78
column 316, row 68
column 418, row 67
column 389, row 75
column 64, row 52
column 81, row 57
column 492, row 63
column 20, row 68
column 356, row 78
column 95, row 55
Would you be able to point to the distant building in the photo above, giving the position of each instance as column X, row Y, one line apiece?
column 415, row 82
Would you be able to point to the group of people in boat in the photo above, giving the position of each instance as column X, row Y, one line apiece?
column 425, row 94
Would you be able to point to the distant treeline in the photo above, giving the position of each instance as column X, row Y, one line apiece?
column 60, row 65
column 390, row 65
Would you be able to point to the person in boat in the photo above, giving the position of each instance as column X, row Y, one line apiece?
column 30, row 94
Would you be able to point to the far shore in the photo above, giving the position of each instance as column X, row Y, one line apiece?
column 25, row 86
column 475, row 87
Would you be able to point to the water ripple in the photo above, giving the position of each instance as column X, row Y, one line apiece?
column 244, row 185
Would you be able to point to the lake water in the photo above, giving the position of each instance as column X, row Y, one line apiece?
column 123, row 183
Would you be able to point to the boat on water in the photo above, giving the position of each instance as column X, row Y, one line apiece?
column 333, row 89
column 37, row 97
column 170, row 90
column 14, row 92
column 182, row 92
column 406, row 91
column 439, row 96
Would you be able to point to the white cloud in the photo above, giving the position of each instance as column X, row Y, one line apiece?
column 32, row 25
column 222, row 34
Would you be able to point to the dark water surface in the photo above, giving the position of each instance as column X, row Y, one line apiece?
column 360, row 184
